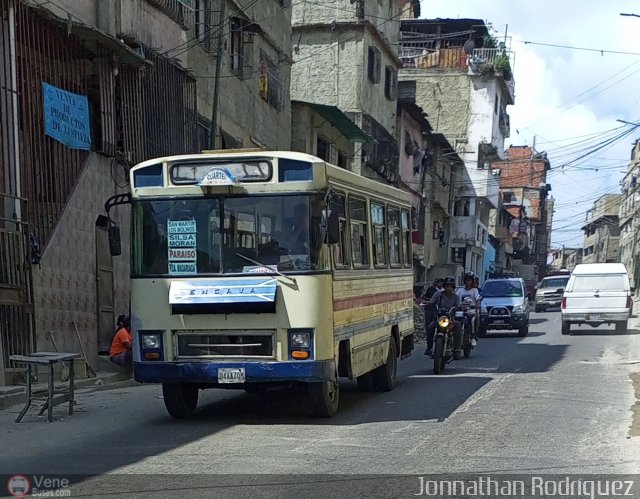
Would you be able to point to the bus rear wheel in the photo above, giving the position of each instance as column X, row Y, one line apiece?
column 324, row 398
column 180, row 399
column 384, row 377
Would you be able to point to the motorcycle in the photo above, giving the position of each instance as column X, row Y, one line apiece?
column 443, row 340
column 466, row 316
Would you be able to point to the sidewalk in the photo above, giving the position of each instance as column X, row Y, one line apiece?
column 12, row 395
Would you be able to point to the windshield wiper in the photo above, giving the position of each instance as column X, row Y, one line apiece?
column 275, row 271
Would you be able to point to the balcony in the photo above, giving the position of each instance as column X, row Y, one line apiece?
column 468, row 231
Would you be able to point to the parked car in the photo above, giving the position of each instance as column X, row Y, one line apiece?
column 504, row 306
column 549, row 292
column 597, row 293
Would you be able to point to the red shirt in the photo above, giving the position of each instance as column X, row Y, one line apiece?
column 117, row 345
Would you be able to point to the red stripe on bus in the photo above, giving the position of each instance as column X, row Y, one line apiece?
column 364, row 301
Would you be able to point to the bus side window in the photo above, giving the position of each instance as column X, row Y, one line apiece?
column 378, row 221
column 406, row 238
column 395, row 244
column 359, row 221
column 340, row 250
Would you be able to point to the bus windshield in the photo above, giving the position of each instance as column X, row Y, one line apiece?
column 226, row 235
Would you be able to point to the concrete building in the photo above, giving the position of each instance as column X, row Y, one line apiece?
column 524, row 192
column 602, row 231
column 630, row 217
column 427, row 167
column 142, row 76
column 565, row 258
column 324, row 131
column 346, row 49
column 464, row 81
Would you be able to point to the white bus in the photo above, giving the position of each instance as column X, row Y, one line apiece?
column 251, row 269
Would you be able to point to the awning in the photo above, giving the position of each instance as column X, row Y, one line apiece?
column 339, row 120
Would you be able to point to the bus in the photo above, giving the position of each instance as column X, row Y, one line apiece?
column 254, row 269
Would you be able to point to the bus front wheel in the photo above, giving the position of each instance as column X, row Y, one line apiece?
column 180, row 399
column 324, row 397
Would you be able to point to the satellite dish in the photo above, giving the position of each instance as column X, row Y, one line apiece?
column 468, row 46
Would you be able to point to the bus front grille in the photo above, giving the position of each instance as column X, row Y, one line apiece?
column 225, row 344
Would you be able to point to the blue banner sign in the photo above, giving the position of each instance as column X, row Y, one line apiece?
column 223, row 291
column 66, row 117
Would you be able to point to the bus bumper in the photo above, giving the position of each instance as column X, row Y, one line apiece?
column 255, row 372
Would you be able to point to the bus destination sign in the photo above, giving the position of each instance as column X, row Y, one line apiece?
column 218, row 176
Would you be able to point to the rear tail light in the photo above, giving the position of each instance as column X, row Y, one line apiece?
column 629, row 302
column 564, row 302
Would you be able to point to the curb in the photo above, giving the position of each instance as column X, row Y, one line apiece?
column 12, row 395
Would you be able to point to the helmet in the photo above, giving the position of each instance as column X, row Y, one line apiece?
column 449, row 280
column 469, row 275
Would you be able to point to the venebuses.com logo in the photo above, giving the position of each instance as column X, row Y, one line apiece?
column 38, row 486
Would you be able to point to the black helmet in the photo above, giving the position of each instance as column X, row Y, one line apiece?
column 449, row 280
column 469, row 275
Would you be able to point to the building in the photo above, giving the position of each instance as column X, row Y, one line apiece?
column 427, row 168
column 524, row 195
column 464, row 81
column 88, row 89
column 565, row 258
column 602, row 231
column 325, row 131
column 346, row 48
column 630, row 218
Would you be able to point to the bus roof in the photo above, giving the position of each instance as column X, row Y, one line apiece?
column 324, row 173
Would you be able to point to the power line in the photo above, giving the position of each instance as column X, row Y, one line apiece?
column 602, row 51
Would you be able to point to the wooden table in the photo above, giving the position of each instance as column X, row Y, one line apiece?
column 50, row 359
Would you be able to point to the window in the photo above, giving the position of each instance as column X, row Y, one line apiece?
column 379, row 235
column 359, row 230
column 340, row 250
column 203, row 23
column 508, row 197
column 406, row 239
column 390, row 83
column 324, row 149
column 342, row 159
column 610, row 282
column 461, row 208
column 239, row 55
column 374, row 65
column 222, row 235
column 395, row 245
column 270, row 83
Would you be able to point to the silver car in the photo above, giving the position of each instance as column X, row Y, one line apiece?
column 549, row 292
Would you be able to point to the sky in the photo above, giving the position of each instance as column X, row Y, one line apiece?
column 568, row 100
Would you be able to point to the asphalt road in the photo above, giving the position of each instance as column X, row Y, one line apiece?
column 546, row 403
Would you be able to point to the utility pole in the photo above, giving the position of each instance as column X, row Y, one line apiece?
column 213, row 135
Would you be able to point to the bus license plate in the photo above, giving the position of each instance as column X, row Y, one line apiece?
column 231, row 375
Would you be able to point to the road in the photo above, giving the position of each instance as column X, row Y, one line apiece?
column 546, row 403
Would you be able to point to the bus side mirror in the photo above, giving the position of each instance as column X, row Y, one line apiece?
column 114, row 241
column 331, row 226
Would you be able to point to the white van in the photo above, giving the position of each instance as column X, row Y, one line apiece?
column 597, row 293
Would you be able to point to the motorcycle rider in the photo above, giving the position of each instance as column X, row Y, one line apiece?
column 446, row 299
column 470, row 290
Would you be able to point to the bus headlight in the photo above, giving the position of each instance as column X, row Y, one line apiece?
column 150, row 341
column 299, row 338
